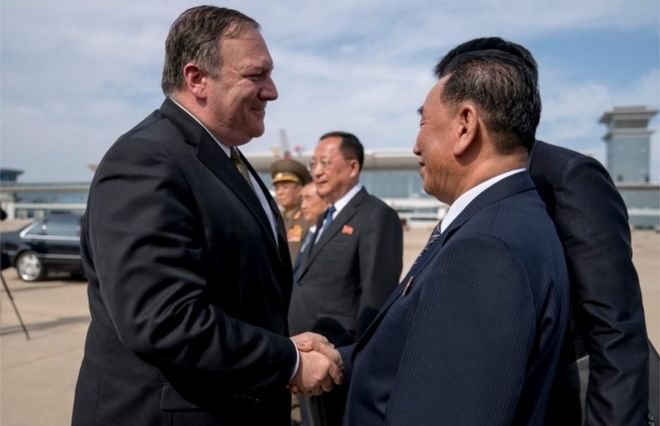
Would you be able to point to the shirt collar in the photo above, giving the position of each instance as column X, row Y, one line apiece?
column 343, row 201
column 224, row 147
column 468, row 196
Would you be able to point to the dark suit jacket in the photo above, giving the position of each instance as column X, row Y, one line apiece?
column 475, row 338
column 346, row 276
column 188, row 290
column 607, row 319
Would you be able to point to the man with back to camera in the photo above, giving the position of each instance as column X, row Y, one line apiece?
column 289, row 176
column 607, row 316
column 472, row 334
column 353, row 260
column 185, row 251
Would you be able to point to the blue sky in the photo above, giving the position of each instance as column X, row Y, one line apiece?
column 77, row 74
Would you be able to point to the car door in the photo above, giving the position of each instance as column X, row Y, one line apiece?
column 62, row 239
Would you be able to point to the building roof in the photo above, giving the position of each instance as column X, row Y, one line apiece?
column 636, row 112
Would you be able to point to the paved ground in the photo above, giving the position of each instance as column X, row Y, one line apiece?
column 37, row 377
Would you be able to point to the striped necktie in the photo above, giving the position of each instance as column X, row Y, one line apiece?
column 238, row 162
column 434, row 236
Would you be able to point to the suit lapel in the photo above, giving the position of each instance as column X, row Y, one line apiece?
column 507, row 187
column 303, row 258
column 414, row 271
column 211, row 155
column 337, row 224
column 282, row 241
column 511, row 185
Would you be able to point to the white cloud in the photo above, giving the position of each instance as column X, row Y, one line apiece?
column 76, row 74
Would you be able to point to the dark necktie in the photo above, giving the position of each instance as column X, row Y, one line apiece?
column 238, row 162
column 327, row 219
column 434, row 236
column 306, row 245
column 309, row 236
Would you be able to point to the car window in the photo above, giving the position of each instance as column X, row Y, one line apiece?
column 64, row 226
column 38, row 228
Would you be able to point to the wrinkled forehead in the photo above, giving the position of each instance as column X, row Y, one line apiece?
column 433, row 97
column 245, row 46
column 436, row 91
column 328, row 147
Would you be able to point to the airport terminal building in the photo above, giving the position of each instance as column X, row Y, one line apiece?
column 393, row 175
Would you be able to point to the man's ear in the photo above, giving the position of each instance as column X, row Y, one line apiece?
column 355, row 168
column 467, row 127
column 195, row 79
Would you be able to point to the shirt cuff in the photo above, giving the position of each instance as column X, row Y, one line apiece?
column 295, row 367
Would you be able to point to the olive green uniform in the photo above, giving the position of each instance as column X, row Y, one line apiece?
column 296, row 227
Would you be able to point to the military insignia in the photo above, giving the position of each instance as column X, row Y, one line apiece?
column 347, row 229
column 294, row 234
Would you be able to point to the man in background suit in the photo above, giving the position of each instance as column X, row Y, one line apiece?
column 472, row 334
column 185, row 251
column 312, row 207
column 607, row 316
column 353, row 261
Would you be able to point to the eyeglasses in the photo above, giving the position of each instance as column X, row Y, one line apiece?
column 325, row 164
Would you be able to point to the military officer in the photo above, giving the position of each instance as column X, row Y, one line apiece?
column 289, row 176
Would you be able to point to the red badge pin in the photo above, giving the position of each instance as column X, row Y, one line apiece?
column 347, row 229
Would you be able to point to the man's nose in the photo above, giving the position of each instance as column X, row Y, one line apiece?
column 269, row 91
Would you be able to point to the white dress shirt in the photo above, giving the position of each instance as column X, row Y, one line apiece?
column 260, row 195
column 264, row 205
column 340, row 204
column 468, row 196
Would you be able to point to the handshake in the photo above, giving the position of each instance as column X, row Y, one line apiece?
column 320, row 366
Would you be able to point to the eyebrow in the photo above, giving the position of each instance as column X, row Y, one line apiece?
column 255, row 66
column 420, row 110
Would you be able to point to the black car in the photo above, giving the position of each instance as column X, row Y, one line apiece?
column 48, row 244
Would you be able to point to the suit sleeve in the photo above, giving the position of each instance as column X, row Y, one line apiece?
column 592, row 222
column 381, row 257
column 149, row 253
column 472, row 332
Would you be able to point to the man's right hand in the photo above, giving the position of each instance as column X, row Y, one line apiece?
column 320, row 365
column 315, row 374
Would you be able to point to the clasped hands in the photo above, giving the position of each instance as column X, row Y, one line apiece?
column 320, row 366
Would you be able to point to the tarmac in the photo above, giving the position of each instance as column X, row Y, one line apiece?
column 38, row 376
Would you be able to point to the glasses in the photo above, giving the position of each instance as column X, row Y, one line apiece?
column 324, row 163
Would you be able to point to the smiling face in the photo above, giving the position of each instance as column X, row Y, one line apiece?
column 237, row 98
column 434, row 145
column 333, row 174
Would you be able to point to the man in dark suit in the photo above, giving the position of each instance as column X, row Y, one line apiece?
column 607, row 316
column 185, row 251
column 353, row 261
column 472, row 334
